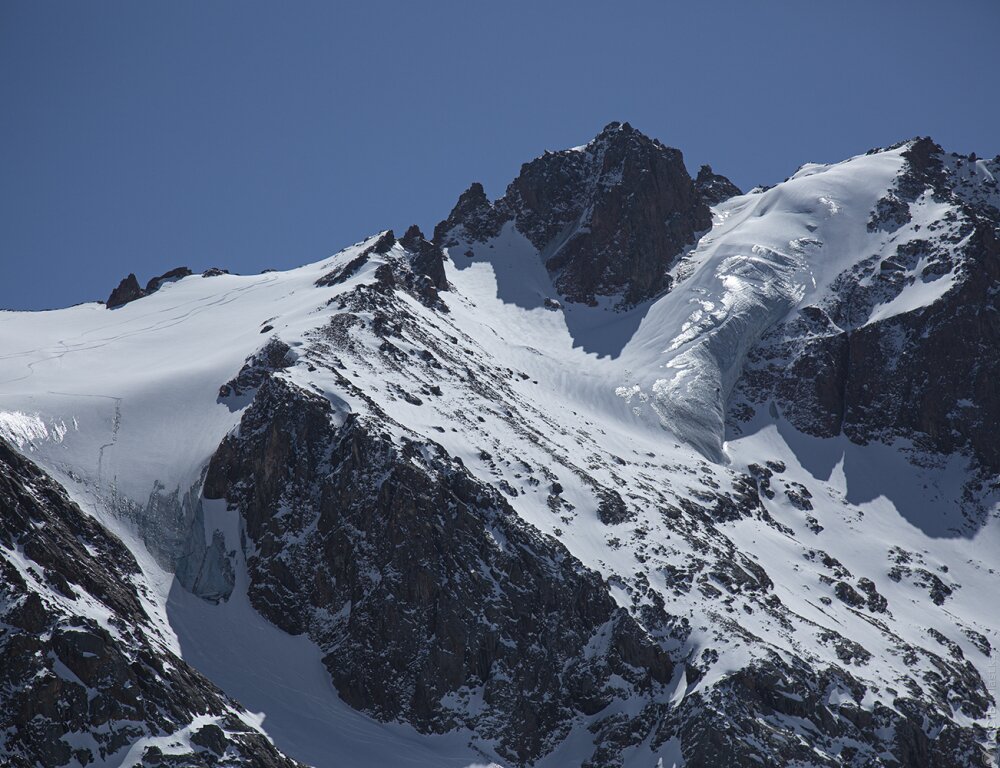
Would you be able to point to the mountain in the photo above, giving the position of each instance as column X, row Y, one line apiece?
column 623, row 468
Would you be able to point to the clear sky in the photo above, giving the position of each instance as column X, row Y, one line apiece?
column 139, row 136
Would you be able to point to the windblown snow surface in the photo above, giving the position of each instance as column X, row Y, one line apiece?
column 122, row 406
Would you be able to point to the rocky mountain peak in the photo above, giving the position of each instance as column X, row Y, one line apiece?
column 128, row 290
column 609, row 218
column 923, row 168
column 620, row 133
column 472, row 199
column 616, row 128
column 473, row 218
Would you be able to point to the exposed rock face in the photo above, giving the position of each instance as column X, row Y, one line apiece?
column 128, row 290
column 609, row 219
column 339, row 275
column 928, row 374
column 273, row 356
column 473, row 218
column 156, row 283
column 722, row 721
column 423, row 587
column 79, row 655
column 381, row 246
column 426, row 258
column 714, row 188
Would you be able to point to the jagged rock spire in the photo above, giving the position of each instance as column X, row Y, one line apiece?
column 609, row 218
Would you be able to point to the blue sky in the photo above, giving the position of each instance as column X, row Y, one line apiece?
column 138, row 136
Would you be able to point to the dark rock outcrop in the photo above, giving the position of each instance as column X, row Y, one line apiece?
column 609, row 219
column 343, row 272
column 128, row 290
column 273, row 356
column 174, row 274
column 340, row 274
column 384, row 243
column 713, row 188
column 611, row 508
column 426, row 258
column 750, row 706
column 474, row 218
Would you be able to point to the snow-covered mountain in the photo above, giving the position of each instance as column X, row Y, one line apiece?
column 622, row 467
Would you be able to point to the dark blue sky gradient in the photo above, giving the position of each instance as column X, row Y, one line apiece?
column 138, row 136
